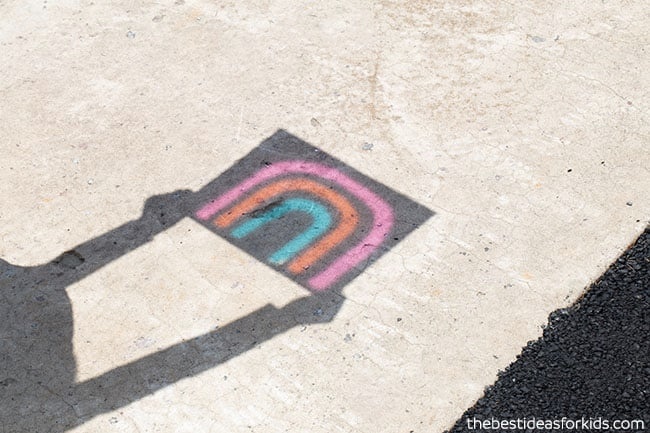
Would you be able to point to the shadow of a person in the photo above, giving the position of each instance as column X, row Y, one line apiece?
column 38, row 392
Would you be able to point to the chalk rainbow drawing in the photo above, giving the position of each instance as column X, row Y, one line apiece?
column 321, row 237
column 321, row 222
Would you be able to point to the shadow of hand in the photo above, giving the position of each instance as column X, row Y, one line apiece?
column 168, row 209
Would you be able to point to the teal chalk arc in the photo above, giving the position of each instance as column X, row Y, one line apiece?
column 321, row 221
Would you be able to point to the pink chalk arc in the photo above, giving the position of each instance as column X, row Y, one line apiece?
column 382, row 212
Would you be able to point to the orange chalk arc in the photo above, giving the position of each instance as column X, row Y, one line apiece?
column 346, row 225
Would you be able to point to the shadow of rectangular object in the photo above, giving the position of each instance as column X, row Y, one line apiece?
column 305, row 213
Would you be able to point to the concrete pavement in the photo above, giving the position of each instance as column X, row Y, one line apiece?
column 523, row 130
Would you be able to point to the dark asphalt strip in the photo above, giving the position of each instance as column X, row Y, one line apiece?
column 590, row 367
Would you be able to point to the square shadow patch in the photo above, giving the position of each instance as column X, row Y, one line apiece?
column 305, row 213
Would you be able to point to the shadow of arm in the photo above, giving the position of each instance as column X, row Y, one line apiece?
column 160, row 212
column 144, row 376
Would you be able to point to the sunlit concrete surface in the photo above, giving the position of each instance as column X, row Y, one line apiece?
column 522, row 128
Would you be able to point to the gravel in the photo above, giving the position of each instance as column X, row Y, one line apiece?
column 592, row 362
